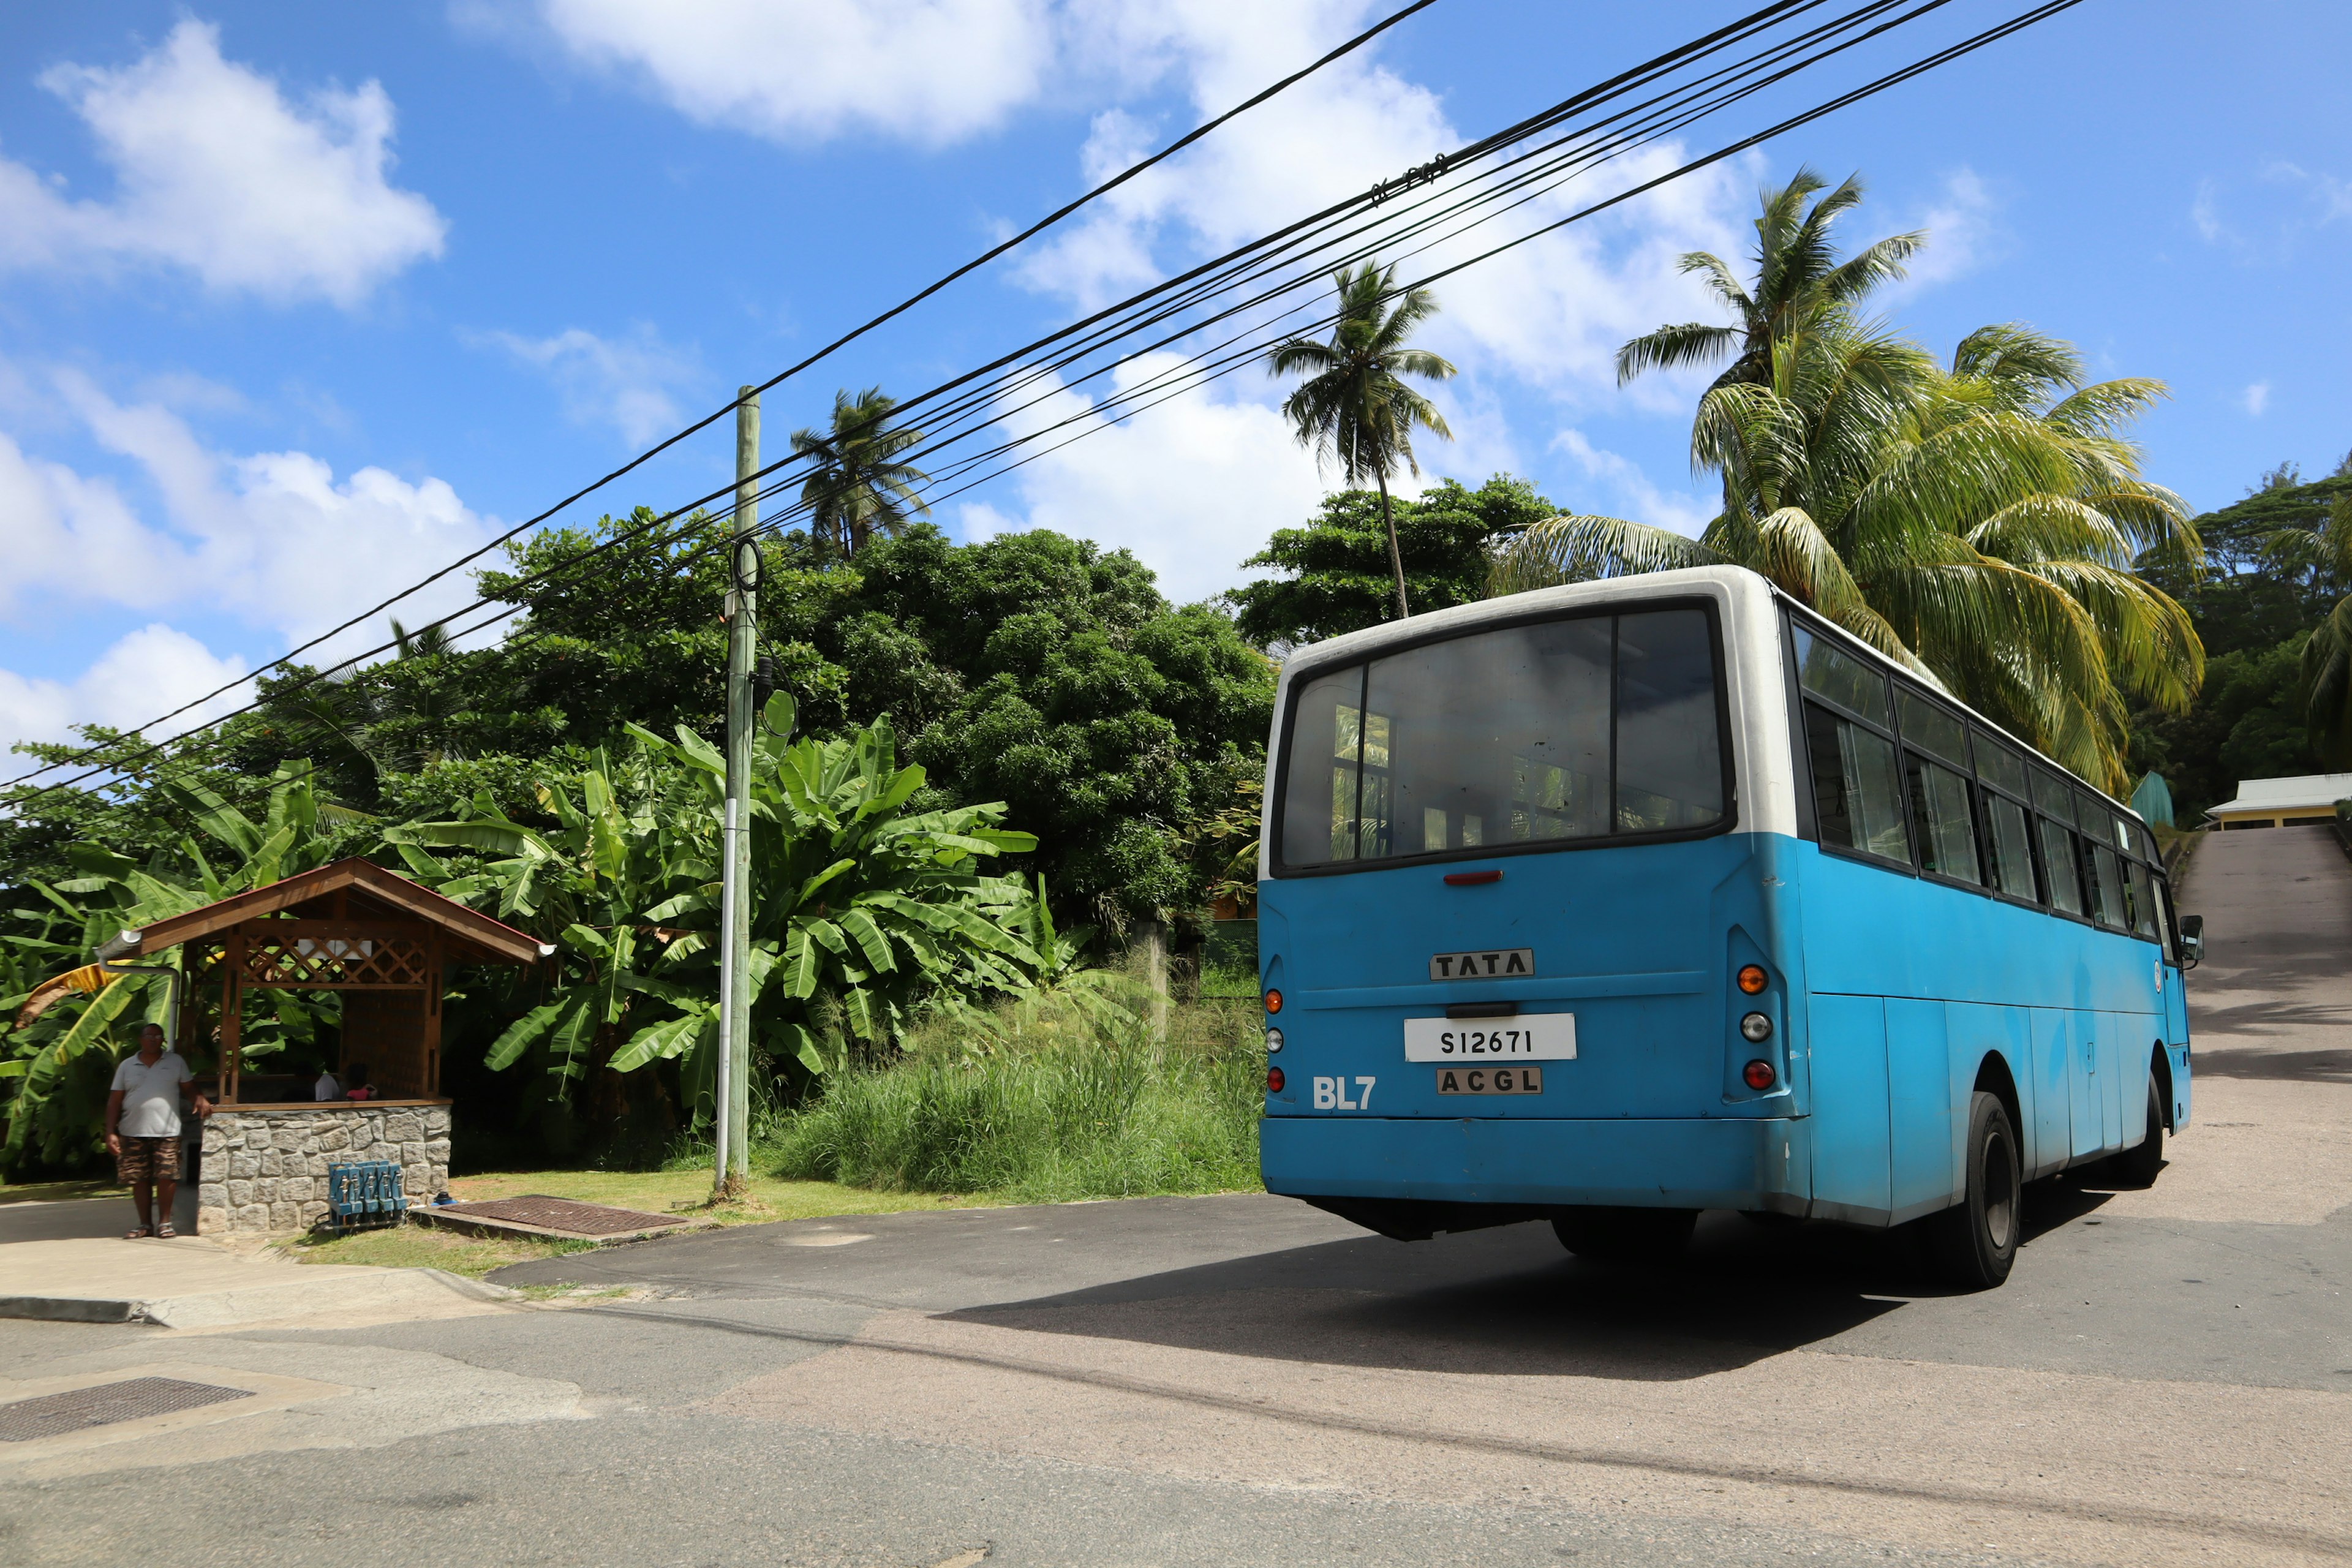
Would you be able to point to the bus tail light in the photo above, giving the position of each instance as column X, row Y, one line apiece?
column 1273, row 1040
column 1756, row 1028
column 1759, row 1076
column 1274, row 1001
column 1274, row 1081
column 1752, row 978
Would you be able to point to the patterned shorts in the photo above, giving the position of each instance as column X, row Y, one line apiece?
column 148, row 1160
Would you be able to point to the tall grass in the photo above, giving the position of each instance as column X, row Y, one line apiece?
column 1044, row 1101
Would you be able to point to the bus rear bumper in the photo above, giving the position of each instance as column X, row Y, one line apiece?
column 1715, row 1162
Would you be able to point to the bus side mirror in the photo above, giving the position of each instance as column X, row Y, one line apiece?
column 2192, row 940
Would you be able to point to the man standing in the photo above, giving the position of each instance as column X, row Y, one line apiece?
column 143, row 1128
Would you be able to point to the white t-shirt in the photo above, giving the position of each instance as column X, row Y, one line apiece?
column 327, row 1089
column 151, row 1096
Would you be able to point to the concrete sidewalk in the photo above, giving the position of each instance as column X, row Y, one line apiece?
column 60, row 1270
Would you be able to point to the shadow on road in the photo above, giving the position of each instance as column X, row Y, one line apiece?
column 2293, row 1067
column 1510, row 1301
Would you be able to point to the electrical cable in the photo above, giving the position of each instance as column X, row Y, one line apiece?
column 1742, row 27
column 1188, row 138
column 1648, row 70
column 1189, row 380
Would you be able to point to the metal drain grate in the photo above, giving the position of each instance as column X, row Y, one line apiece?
column 561, row 1214
column 133, row 1399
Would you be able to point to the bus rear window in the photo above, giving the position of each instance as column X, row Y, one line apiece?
column 1583, row 729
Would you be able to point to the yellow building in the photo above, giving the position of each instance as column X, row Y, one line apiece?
column 2276, row 802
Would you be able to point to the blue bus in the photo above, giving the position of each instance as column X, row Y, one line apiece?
column 1612, row 903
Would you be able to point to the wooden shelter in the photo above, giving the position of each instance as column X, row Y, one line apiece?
column 384, row 941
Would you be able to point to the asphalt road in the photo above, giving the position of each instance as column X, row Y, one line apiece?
column 2166, row 1377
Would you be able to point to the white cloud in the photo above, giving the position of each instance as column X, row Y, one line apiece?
column 2256, row 399
column 925, row 71
column 624, row 382
column 152, row 670
column 1340, row 131
column 2329, row 197
column 2206, row 214
column 1639, row 499
column 1193, row 486
column 273, row 539
column 1963, row 233
column 215, row 172
column 1550, row 314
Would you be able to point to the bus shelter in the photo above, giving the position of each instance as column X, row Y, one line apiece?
column 387, row 945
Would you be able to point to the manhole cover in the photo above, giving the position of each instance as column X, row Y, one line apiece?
column 134, row 1399
column 561, row 1213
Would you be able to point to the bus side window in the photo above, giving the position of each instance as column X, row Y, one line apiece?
column 1857, row 782
column 1856, row 798
column 1944, row 826
column 2143, row 900
column 2065, row 875
column 2010, row 847
column 2008, row 831
column 2104, row 880
column 2062, row 863
column 1939, row 805
column 2104, row 871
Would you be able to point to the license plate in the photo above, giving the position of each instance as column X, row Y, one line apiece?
column 1530, row 1038
column 1490, row 1081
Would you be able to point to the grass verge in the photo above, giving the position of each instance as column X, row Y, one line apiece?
column 1082, row 1106
column 688, row 1191
column 423, row 1246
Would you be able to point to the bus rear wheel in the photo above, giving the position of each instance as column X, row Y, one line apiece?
column 1973, row 1243
column 2137, row 1165
column 1625, row 1235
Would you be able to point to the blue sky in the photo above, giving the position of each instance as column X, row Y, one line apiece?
column 297, row 303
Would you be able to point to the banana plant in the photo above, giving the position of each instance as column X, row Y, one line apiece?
column 858, row 910
column 60, row 1046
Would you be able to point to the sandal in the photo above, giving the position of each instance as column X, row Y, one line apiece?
column 164, row 1231
column 141, row 1234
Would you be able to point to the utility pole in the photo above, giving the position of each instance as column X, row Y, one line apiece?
column 732, row 1159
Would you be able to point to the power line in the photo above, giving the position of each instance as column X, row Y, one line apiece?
column 1188, row 381
column 1648, row 70
column 1188, row 138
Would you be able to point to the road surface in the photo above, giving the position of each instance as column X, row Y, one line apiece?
column 2166, row 1377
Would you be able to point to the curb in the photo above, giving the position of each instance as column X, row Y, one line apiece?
column 390, row 1288
column 70, row 1310
column 477, row 1225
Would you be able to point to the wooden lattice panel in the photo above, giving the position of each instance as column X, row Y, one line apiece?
column 314, row 955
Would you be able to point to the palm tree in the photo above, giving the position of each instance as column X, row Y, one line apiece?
column 1797, row 275
column 1977, row 520
column 855, row 484
column 427, row 642
column 1354, row 406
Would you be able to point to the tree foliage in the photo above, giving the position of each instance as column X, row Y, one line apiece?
column 860, row 910
column 1799, row 277
column 857, row 485
column 1983, row 520
column 1335, row 571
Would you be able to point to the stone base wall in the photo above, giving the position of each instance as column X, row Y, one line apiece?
column 266, row 1171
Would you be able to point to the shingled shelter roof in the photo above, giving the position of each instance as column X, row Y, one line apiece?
column 368, row 893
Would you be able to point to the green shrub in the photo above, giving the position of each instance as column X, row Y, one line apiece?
column 1068, row 1107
